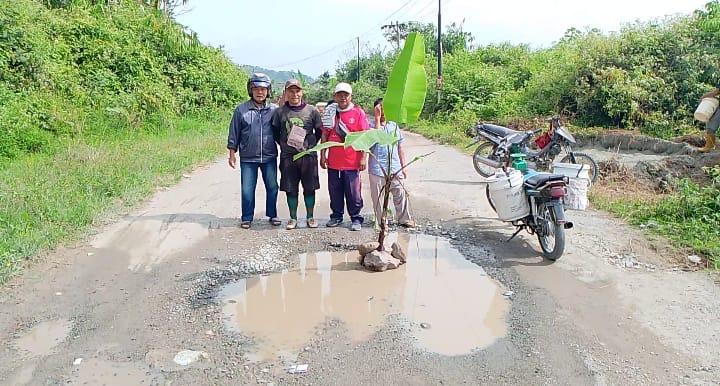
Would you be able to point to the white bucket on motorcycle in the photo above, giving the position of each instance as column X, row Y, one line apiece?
column 579, row 181
column 508, row 195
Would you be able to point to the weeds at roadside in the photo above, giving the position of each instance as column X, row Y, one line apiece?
column 688, row 214
column 52, row 198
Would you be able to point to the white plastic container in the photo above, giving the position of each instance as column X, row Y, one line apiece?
column 578, row 184
column 508, row 195
column 576, row 195
column 706, row 108
column 572, row 170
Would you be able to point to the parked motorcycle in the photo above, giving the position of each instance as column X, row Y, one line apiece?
column 488, row 157
column 545, row 217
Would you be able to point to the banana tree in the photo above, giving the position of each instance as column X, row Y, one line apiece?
column 403, row 102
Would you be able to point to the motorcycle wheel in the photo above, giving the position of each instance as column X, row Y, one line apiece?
column 582, row 158
column 551, row 236
column 485, row 150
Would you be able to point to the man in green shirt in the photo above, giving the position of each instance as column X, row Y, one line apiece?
column 297, row 127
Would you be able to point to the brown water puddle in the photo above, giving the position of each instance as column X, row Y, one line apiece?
column 101, row 372
column 454, row 306
column 41, row 339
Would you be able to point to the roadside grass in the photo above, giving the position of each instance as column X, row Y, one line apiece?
column 55, row 197
column 688, row 216
column 445, row 134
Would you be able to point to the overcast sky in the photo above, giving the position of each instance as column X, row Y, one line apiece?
column 313, row 35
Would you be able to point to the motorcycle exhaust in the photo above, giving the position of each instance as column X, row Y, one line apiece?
column 489, row 162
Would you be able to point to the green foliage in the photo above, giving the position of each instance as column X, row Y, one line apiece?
column 364, row 95
column 407, row 85
column 96, row 98
column 67, row 64
column 454, row 39
column 278, row 77
column 649, row 75
column 471, row 84
column 321, row 89
column 47, row 198
column 690, row 217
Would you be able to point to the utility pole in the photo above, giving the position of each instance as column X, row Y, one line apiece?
column 396, row 27
column 358, row 59
column 397, row 33
column 439, row 51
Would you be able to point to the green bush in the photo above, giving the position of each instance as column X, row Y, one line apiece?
column 648, row 75
column 690, row 217
column 65, row 63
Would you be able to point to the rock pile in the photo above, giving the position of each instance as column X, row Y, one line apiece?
column 373, row 259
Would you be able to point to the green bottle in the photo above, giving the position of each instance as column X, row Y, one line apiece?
column 518, row 162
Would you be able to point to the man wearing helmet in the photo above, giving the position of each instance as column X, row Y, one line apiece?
column 251, row 136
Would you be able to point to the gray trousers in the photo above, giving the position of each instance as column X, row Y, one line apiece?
column 399, row 197
column 712, row 125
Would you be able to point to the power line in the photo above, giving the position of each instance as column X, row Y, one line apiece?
column 423, row 11
column 396, row 11
column 345, row 43
column 352, row 40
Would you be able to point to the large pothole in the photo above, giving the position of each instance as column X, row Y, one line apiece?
column 450, row 304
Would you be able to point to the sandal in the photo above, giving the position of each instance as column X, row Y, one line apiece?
column 245, row 225
column 275, row 221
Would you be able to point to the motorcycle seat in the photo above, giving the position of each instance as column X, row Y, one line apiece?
column 540, row 179
column 500, row 131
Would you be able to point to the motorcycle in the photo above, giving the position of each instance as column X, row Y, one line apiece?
column 488, row 157
column 544, row 193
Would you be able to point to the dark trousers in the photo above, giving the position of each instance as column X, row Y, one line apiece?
column 248, row 183
column 345, row 186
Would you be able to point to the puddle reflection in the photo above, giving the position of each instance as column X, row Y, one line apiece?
column 42, row 339
column 460, row 308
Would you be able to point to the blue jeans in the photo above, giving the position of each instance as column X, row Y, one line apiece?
column 248, row 182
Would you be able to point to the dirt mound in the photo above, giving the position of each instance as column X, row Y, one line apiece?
column 620, row 140
column 651, row 178
column 617, row 181
column 692, row 140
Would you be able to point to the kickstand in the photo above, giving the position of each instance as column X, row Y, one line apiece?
column 514, row 234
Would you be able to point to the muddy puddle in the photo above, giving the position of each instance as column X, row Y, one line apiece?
column 450, row 304
column 42, row 339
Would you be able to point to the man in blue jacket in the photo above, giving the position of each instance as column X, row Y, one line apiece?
column 251, row 136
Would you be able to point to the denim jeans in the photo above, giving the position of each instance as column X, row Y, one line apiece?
column 248, row 182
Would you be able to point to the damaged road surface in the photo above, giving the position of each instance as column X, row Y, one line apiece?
column 176, row 293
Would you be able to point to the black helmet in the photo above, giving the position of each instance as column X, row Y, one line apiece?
column 259, row 79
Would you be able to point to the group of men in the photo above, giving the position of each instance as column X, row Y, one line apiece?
column 259, row 127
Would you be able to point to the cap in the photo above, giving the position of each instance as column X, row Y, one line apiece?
column 293, row 82
column 342, row 86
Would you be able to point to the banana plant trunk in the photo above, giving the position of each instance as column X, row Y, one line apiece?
column 383, row 216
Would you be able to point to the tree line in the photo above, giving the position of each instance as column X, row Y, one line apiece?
column 647, row 76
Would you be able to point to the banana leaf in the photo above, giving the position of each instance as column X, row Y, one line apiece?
column 407, row 85
column 361, row 140
column 364, row 140
column 318, row 147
